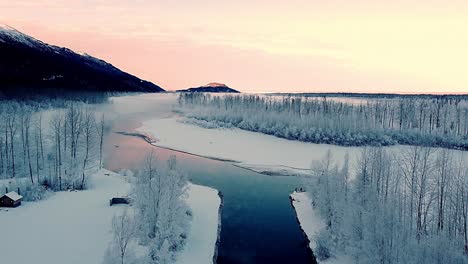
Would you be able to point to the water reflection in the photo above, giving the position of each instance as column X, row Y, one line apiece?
column 258, row 222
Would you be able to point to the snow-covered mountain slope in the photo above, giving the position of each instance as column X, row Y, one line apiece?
column 30, row 66
column 9, row 33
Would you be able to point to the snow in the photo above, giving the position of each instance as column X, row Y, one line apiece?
column 251, row 150
column 255, row 151
column 154, row 105
column 14, row 34
column 75, row 227
column 311, row 223
column 14, row 196
column 68, row 227
column 201, row 241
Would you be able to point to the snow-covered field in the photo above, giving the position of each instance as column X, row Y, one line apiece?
column 311, row 223
column 256, row 151
column 68, row 227
column 75, row 227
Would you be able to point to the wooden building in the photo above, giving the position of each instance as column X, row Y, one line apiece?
column 11, row 199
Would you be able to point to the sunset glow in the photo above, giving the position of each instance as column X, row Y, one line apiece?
column 400, row 46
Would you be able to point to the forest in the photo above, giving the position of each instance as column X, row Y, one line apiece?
column 435, row 121
column 49, row 149
column 409, row 206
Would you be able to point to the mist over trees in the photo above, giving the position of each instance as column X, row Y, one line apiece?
column 44, row 148
column 436, row 121
column 404, row 207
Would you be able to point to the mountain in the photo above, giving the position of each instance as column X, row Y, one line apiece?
column 29, row 67
column 212, row 87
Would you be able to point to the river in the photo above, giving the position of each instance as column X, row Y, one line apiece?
column 258, row 223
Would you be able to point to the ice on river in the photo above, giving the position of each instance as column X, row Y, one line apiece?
column 256, row 151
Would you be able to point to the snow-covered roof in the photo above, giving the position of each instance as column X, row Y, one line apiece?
column 14, row 196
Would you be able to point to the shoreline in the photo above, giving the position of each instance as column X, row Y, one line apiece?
column 203, row 236
column 311, row 223
column 264, row 171
column 218, row 238
column 152, row 141
column 307, row 239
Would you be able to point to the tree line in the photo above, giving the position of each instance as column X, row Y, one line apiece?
column 53, row 148
column 438, row 121
column 409, row 206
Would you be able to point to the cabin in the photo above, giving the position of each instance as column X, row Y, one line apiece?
column 119, row 200
column 11, row 199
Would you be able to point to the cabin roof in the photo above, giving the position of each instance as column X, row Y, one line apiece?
column 13, row 196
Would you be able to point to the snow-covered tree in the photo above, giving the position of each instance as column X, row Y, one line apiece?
column 426, row 121
column 55, row 148
column 124, row 233
column 399, row 207
column 161, row 211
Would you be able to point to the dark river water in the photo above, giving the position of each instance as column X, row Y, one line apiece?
column 258, row 223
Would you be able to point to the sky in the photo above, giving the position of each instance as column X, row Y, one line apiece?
column 402, row 46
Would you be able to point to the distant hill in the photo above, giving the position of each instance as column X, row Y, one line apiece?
column 211, row 88
column 29, row 67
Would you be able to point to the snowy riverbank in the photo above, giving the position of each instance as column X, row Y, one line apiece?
column 74, row 227
column 201, row 242
column 311, row 223
column 258, row 152
column 251, row 150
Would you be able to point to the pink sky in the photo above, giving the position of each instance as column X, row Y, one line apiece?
column 401, row 46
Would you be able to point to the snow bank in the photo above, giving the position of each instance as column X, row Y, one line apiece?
column 255, row 151
column 68, row 227
column 311, row 223
column 201, row 242
column 252, row 150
